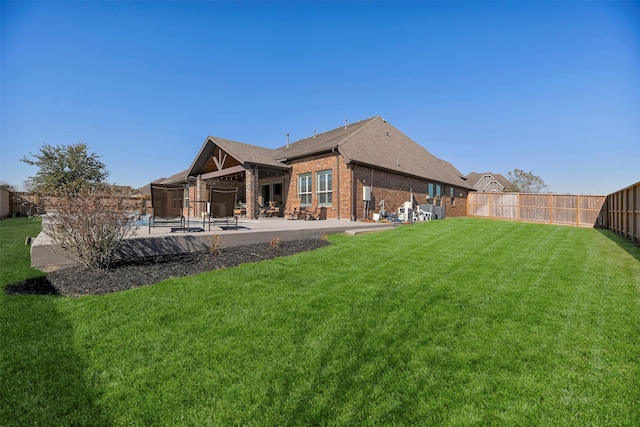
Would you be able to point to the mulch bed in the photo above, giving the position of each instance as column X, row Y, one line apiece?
column 79, row 281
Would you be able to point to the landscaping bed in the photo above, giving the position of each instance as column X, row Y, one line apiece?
column 79, row 281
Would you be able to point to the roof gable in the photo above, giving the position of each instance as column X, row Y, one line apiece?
column 476, row 179
column 218, row 155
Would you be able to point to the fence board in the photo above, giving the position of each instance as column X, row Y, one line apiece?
column 621, row 212
column 561, row 209
column 5, row 203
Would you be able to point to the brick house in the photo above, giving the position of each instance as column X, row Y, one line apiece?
column 487, row 182
column 329, row 170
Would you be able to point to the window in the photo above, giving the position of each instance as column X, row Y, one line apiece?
column 438, row 194
column 304, row 189
column 430, row 195
column 453, row 198
column 325, row 188
column 185, row 196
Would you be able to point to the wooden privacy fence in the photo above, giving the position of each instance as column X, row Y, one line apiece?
column 621, row 212
column 560, row 209
column 5, row 203
column 17, row 203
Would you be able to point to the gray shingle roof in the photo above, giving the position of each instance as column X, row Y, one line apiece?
column 372, row 142
column 474, row 177
column 377, row 143
column 318, row 143
column 246, row 154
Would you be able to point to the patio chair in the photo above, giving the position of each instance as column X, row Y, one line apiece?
column 311, row 213
column 222, row 202
column 240, row 210
column 292, row 212
column 166, row 206
column 271, row 210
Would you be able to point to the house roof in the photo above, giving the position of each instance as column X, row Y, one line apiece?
column 375, row 142
column 372, row 142
column 318, row 143
column 178, row 178
column 474, row 179
column 245, row 154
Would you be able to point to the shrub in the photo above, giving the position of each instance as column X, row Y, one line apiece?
column 215, row 243
column 89, row 225
column 275, row 242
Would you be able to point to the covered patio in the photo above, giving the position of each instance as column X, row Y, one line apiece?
column 223, row 163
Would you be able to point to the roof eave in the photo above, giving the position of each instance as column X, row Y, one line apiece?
column 197, row 158
column 399, row 172
column 313, row 153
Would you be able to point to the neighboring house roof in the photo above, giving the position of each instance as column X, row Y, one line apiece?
column 476, row 179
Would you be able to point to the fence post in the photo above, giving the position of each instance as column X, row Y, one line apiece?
column 634, row 234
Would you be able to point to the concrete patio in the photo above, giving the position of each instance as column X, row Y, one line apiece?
column 47, row 256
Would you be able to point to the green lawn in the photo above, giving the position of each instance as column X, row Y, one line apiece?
column 455, row 322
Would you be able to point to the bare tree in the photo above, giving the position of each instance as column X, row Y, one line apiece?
column 526, row 182
column 89, row 225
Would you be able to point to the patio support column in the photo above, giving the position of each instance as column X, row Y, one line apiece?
column 196, row 207
column 251, row 191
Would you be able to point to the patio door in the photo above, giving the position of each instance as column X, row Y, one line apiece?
column 277, row 193
column 265, row 192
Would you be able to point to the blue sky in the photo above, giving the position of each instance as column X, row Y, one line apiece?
column 552, row 87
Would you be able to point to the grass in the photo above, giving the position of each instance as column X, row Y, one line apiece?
column 456, row 322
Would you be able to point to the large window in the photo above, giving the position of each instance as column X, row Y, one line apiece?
column 304, row 189
column 185, row 196
column 325, row 188
column 430, row 195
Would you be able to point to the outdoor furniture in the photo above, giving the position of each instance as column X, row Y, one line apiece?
column 293, row 212
column 240, row 210
column 222, row 202
column 311, row 213
column 271, row 210
column 166, row 207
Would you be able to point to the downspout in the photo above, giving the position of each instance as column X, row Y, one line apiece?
column 353, row 193
column 338, row 180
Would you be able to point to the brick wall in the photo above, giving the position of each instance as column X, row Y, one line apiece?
column 396, row 189
column 199, row 193
column 341, row 180
column 348, row 182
